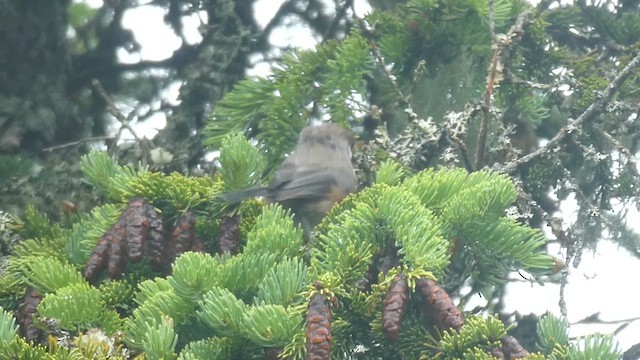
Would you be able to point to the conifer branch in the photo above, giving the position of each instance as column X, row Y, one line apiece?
column 365, row 28
column 602, row 99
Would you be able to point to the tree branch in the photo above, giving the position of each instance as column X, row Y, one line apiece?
column 382, row 65
column 602, row 100
column 500, row 44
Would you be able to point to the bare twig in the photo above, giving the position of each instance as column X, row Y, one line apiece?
column 508, row 74
column 341, row 10
column 631, row 159
column 499, row 45
column 486, row 106
column 402, row 99
column 492, row 20
column 463, row 152
column 113, row 110
column 574, row 244
column 78, row 142
column 455, row 134
column 285, row 8
column 601, row 101
column 97, row 86
column 564, row 280
column 543, row 5
column 569, row 242
column 595, row 319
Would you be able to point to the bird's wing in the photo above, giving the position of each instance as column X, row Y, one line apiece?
column 305, row 184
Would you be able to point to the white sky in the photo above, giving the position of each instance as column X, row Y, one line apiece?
column 602, row 282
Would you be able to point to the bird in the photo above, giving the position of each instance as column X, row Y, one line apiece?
column 313, row 178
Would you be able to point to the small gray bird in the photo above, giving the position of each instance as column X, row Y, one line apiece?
column 316, row 175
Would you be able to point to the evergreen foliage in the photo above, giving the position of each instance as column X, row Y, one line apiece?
column 48, row 274
column 211, row 348
column 477, row 334
column 85, row 233
column 276, row 109
column 259, row 294
column 8, row 328
column 76, row 307
column 104, row 173
column 554, row 342
column 156, row 346
column 241, row 164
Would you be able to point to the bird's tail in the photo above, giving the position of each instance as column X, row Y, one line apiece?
column 234, row 197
